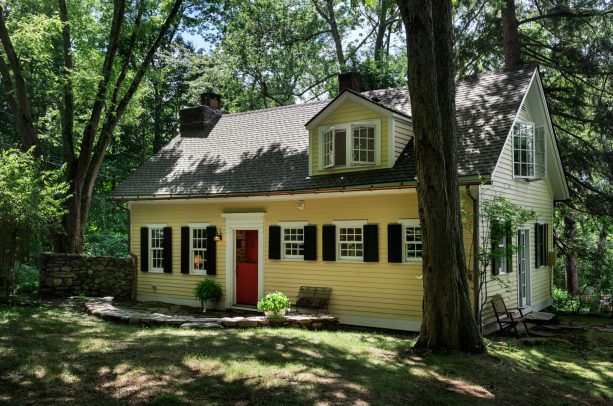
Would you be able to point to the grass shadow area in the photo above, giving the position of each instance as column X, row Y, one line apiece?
column 50, row 355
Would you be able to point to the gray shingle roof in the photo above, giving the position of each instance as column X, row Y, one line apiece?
column 266, row 151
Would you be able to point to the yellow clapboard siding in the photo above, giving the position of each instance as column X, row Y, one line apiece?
column 366, row 289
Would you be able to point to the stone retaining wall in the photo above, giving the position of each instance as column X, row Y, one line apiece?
column 71, row 275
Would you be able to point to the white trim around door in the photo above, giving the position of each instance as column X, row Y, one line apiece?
column 523, row 267
column 242, row 221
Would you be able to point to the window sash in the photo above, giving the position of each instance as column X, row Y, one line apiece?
column 351, row 242
column 292, row 242
column 198, row 246
column 156, row 249
column 328, row 148
column 363, row 144
column 413, row 244
column 524, row 151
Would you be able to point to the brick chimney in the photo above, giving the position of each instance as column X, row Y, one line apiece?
column 200, row 121
column 349, row 80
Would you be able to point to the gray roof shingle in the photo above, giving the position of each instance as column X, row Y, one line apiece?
column 266, row 151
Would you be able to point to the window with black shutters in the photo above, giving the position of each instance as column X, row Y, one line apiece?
column 411, row 240
column 156, row 247
column 292, row 239
column 198, row 247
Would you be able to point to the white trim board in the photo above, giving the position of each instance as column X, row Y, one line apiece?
column 242, row 221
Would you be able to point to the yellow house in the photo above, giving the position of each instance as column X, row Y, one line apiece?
column 323, row 194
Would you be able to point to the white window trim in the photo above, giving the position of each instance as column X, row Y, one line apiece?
column 409, row 223
column 348, row 223
column 192, row 226
column 289, row 225
column 533, row 150
column 150, row 250
column 348, row 127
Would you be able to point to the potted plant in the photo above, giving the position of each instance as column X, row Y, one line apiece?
column 207, row 289
column 274, row 305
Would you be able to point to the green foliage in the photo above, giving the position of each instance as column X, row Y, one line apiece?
column 30, row 203
column 208, row 289
column 26, row 279
column 274, row 302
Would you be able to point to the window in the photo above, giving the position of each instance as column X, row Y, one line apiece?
column 523, row 150
column 364, row 144
column 340, row 150
column 412, row 241
column 198, row 246
column 350, row 240
column 292, row 240
column 501, row 242
column 156, row 248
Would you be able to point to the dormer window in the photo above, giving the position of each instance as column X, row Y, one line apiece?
column 350, row 144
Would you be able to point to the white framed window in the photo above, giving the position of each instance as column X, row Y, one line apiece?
column 499, row 234
column 524, row 155
column 292, row 239
column 350, row 240
column 501, row 261
column 350, row 144
column 411, row 240
column 198, row 246
column 156, row 247
column 363, row 144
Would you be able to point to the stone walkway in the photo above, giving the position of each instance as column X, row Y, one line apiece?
column 103, row 308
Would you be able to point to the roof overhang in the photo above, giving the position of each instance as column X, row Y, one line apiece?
column 350, row 95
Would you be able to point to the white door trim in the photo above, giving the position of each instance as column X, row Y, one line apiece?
column 242, row 221
column 526, row 231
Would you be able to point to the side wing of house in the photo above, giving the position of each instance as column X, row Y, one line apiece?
column 528, row 174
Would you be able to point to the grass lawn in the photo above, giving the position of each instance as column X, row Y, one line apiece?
column 53, row 355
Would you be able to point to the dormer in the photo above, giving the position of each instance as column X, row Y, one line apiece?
column 355, row 133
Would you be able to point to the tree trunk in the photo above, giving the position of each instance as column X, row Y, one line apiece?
column 381, row 31
column 510, row 35
column 570, row 232
column 447, row 321
column 329, row 16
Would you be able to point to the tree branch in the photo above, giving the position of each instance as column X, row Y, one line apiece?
column 67, row 109
column 22, row 113
column 567, row 14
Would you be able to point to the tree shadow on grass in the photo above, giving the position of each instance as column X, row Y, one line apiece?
column 51, row 356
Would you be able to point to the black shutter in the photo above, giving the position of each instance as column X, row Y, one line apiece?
column 509, row 246
column 144, row 249
column 167, row 245
column 394, row 243
column 211, row 251
column 537, row 245
column 494, row 234
column 310, row 243
column 274, row 242
column 545, row 244
column 371, row 243
column 329, row 242
column 185, row 248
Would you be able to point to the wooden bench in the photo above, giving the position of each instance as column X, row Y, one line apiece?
column 504, row 315
column 312, row 297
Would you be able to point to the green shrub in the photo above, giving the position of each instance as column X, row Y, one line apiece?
column 208, row 289
column 274, row 302
column 26, row 279
column 562, row 300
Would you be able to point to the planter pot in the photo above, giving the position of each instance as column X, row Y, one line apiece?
column 275, row 315
column 209, row 305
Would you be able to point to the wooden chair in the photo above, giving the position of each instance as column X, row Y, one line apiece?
column 311, row 297
column 504, row 315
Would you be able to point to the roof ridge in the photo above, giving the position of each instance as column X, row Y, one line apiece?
column 242, row 113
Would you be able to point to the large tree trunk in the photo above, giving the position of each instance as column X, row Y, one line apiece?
column 447, row 322
column 570, row 233
column 510, row 35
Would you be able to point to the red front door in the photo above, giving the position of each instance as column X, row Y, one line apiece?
column 246, row 267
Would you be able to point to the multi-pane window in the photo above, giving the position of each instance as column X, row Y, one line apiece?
column 198, row 246
column 413, row 243
column 350, row 240
column 156, row 248
column 328, row 148
column 350, row 144
column 364, row 144
column 524, row 150
column 293, row 240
